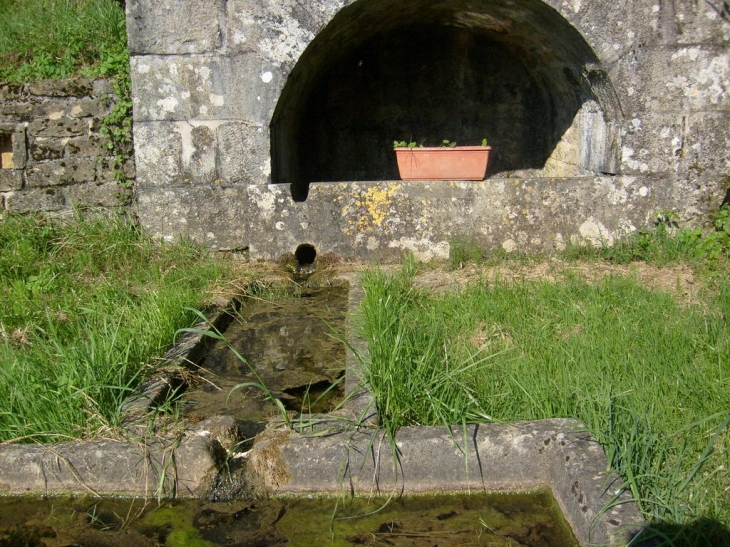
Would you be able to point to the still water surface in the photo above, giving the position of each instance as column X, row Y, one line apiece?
column 484, row 520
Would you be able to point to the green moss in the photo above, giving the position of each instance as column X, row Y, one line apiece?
column 462, row 519
column 178, row 518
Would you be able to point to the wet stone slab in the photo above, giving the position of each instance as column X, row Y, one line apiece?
column 288, row 345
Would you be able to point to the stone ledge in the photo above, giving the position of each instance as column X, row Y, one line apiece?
column 556, row 453
column 178, row 467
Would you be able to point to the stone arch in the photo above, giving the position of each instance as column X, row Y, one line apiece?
column 516, row 72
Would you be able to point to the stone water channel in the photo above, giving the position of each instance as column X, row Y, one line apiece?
column 288, row 348
column 526, row 484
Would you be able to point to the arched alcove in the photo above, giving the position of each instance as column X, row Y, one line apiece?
column 515, row 72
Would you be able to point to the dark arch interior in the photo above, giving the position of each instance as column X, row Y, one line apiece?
column 513, row 72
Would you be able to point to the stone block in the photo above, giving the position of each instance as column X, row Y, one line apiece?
column 15, row 112
column 676, row 78
column 93, row 145
column 158, row 157
column 71, row 87
column 173, row 26
column 259, row 83
column 61, row 172
column 103, row 87
column 701, row 22
column 699, row 193
column 243, row 87
column 279, row 30
column 213, row 215
column 243, row 153
column 11, row 92
column 97, row 195
column 20, row 150
column 45, row 148
column 53, row 110
column 129, row 168
column 61, row 127
column 199, row 147
column 35, row 199
column 85, row 108
column 708, row 142
column 652, row 142
column 11, row 179
column 177, row 88
column 183, row 468
column 613, row 29
column 107, row 171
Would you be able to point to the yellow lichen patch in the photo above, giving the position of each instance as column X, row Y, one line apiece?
column 373, row 207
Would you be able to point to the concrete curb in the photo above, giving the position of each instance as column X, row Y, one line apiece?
column 155, row 468
column 558, row 454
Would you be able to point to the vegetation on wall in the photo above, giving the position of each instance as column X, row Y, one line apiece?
column 117, row 129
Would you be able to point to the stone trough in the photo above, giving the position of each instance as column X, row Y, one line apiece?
column 339, row 454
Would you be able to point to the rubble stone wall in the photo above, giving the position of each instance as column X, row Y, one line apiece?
column 54, row 158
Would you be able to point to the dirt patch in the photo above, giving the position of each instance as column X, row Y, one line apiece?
column 679, row 280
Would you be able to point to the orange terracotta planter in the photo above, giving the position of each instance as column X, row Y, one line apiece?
column 443, row 163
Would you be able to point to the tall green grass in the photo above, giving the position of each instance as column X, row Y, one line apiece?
column 649, row 375
column 42, row 39
column 86, row 307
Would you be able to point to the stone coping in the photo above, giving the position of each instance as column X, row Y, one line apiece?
column 341, row 454
column 558, row 454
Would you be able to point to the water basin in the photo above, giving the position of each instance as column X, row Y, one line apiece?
column 494, row 520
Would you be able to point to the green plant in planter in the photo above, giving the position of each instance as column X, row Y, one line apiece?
column 452, row 144
column 406, row 144
column 446, row 143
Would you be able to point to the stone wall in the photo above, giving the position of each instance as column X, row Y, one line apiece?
column 54, row 158
column 242, row 105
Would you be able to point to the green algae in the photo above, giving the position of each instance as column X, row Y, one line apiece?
column 480, row 520
column 459, row 519
column 178, row 519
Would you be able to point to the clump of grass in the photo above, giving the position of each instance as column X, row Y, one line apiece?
column 43, row 39
column 647, row 374
column 87, row 307
column 411, row 369
column 464, row 250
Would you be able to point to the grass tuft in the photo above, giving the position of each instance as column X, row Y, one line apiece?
column 43, row 39
column 87, row 307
